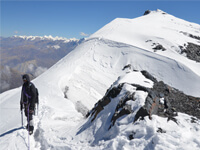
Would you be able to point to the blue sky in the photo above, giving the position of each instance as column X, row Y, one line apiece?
column 79, row 18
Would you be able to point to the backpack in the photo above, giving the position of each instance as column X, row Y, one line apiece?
column 37, row 96
column 36, row 91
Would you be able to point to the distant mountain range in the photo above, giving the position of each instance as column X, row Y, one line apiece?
column 30, row 54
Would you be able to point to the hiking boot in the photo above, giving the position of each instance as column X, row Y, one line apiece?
column 30, row 132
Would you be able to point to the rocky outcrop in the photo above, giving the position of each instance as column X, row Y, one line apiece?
column 122, row 108
column 159, row 47
column 147, row 12
column 190, row 35
column 161, row 100
column 99, row 106
column 178, row 100
column 149, row 76
column 156, row 103
column 192, row 51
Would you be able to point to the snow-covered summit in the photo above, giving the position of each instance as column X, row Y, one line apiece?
column 157, row 27
column 45, row 38
column 157, row 32
column 154, row 11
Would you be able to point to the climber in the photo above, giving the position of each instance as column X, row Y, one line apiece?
column 28, row 98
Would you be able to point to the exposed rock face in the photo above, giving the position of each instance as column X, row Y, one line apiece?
column 156, row 103
column 180, row 101
column 104, row 101
column 190, row 35
column 162, row 100
column 149, row 76
column 192, row 51
column 147, row 12
column 159, row 47
column 122, row 108
column 127, row 66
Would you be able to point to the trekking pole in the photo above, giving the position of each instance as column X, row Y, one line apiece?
column 28, row 129
column 37, row 108
column 22, row 117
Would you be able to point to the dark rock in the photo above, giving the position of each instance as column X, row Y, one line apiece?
column 65, row 92
column 179, row 101
column 127, row 66
column 162, row 88
column 142, row 112
column 114, row 92
column 162, row 100
column 105, row 101
column 192, row 51
column 123, row 107
column 173, row 119
column 151, row 106
column 148, row 76
column 131, row 136
column 96, row 111
column 159, row 47
column 152, row 103
column 193, row 120
column 191, row 35
column 124, row 111
column 148, row 40
column 167, row 103
column 123, row 101
column 142, row 88
column 147, row 12
column 160, row 130
column 99, row 106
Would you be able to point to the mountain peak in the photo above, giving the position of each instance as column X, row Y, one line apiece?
column 154, row 11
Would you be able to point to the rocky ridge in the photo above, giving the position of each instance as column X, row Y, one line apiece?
column 162, row 100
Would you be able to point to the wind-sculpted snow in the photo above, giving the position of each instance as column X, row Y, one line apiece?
column 98, row 59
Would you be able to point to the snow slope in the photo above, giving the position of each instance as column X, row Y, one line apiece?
column 149, row 30
column 72, row 86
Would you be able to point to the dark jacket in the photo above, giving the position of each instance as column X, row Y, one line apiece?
column 28, row 93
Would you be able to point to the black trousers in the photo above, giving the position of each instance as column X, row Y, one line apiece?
column 29, row 115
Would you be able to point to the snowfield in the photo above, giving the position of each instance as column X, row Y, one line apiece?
column 69, row 89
